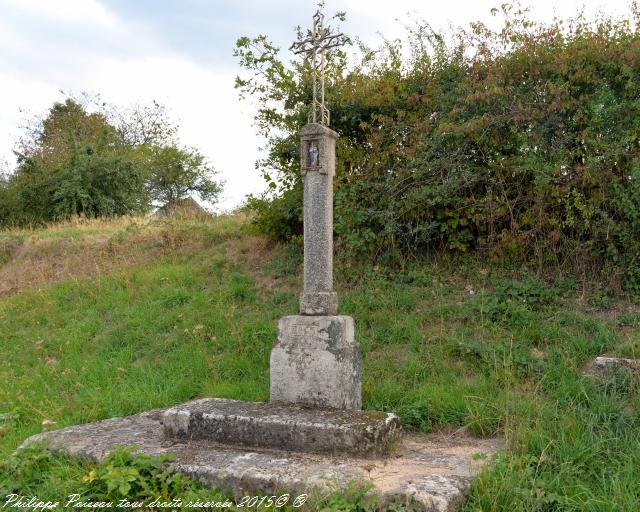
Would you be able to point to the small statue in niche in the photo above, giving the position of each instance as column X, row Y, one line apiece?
column 312, row 154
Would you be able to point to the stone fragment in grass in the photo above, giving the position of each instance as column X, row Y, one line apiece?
column 605, row 365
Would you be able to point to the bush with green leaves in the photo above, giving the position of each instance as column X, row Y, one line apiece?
column 521, row 143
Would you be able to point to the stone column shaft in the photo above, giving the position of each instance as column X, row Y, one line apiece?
column 318, row 161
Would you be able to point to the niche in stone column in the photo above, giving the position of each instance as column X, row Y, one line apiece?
column 312, row 154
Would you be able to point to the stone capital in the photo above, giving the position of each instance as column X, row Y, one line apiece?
column 317, row 130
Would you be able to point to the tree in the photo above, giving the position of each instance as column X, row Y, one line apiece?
column 8, row 202
column 86, row 157
column 142, row 124
column 76, row 163
column 175, row 173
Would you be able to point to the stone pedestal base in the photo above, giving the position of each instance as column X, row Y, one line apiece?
column 283, row 426
column 316, row 362
column 426, row 472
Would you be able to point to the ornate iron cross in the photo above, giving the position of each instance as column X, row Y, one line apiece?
column 319, row 40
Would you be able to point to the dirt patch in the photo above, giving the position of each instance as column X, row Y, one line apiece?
column 9, row 249
column 255, row 253
column 48, row 257
column 40, row 262
column 436, row 455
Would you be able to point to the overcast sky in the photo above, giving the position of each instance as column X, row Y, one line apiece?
column 179, row 52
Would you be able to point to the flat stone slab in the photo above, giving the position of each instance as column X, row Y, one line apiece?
column 603, row 365
column 433, row 471
column 283, row 426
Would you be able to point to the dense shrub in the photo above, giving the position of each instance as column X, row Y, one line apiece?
column 521, row 143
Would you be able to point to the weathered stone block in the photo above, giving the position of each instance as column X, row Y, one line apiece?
column 319, row 303
column 283, row 426
column 316, row 362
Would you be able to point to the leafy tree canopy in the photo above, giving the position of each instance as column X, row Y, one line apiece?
column 176, row 173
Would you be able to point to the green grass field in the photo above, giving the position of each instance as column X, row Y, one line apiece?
column 136, row 314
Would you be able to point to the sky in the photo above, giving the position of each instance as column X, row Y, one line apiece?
column 180, row 53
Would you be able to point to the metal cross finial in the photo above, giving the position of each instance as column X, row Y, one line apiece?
column 318, row 41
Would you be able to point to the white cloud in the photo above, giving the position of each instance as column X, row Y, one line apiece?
column 212, row 118
column 382, row 16
column 73, row 11
column 17, row 93
column 202, row 100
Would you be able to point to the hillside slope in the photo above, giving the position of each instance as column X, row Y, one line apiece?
column 99, row 319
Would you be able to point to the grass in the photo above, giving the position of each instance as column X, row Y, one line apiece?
column 159, row 312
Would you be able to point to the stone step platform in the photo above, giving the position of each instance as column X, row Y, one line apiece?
column 283, row 426
column 433, row 472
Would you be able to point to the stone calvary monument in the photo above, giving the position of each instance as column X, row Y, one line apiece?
column 312, row 436
column 317, row 360
column 315, row 366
